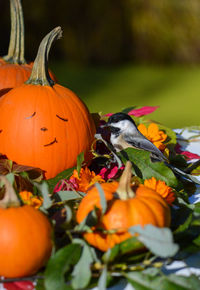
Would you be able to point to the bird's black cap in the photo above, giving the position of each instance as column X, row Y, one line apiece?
column 119, row 117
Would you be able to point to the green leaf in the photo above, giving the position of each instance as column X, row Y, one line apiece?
column 197, row 241
column 59, row 264
column 66, row 195
column 11, row 178
column 80, row 159
column 125, row 247
column 144, row 168
column 82, row 272
column 63, row 175
column 141, row 281
column 192, row 282
column 171, row 135
column 103, row 279
column 185, row 225
column 127, row 110
column 196, row 171
column 103, row 201
column 158, row 240
column 44, row 190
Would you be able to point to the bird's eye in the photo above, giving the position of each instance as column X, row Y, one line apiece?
column 114, row 129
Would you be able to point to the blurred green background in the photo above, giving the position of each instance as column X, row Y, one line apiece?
column 121, row 53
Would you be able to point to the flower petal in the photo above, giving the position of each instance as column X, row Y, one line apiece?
column 143, row 111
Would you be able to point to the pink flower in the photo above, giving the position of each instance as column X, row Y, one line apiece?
column 109, row 173
column 143, row 111
column 138, row 112
column 65, row 184
column 188, row 154
column 108, row 115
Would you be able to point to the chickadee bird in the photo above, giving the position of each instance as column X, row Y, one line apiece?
column 124, row 134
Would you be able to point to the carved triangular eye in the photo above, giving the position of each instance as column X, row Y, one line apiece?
column 63, row 119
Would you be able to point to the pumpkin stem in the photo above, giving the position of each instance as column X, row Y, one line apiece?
column 10, row 198
column 40, row 74
column 124, row 189
column 16, row 46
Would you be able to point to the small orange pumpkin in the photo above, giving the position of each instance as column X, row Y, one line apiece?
column 139, row 207
column 44, row 124
column 14, row 70
column 25, row 243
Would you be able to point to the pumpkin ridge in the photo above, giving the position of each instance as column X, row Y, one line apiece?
column 75, row 120
column 154, row 208
column 34, row 236
column 83, row 113
column 156, row 196
column 82, row 110
column 71, row 120
column 22, row 230
column 144, row 207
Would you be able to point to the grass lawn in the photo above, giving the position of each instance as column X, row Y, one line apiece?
column 175, row 89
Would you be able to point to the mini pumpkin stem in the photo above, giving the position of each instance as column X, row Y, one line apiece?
column 10, row 198
column 40, row 74
column 124, row 189
column 16, row 46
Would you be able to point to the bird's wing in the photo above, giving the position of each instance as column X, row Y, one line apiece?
column 140, row 142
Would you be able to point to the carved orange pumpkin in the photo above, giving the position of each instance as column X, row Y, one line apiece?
column 139, row 207
column 25, row 243
column 44, row 124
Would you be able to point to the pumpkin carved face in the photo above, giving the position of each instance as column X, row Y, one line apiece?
column 49, row 126
column 43, row 124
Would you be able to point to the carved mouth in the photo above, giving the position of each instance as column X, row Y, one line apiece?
column 51, row 143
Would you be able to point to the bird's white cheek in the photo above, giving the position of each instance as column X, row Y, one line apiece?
column 115, row 143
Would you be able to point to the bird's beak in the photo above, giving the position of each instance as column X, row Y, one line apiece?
column 104, row 126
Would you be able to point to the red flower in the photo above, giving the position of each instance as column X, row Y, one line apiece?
column 188, row 154
column 19, row 285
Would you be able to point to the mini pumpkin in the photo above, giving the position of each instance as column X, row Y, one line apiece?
column 44, row 124
column 25, row 243
column 127, row 206
column 14, row 70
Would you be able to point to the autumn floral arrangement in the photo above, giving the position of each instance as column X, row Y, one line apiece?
column 74, row 213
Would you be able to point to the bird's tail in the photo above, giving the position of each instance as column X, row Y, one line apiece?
column 183, row 174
